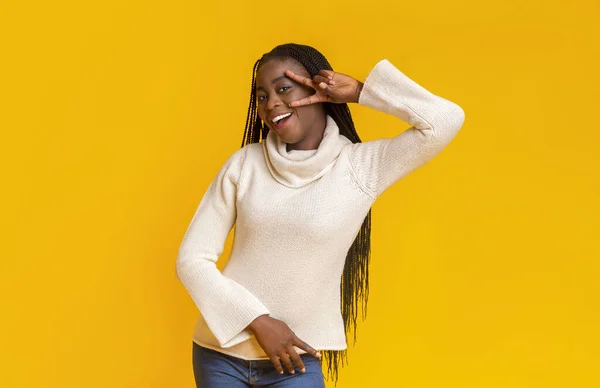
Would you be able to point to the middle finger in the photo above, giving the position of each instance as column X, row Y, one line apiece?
column 296, row 358
column 305, row 101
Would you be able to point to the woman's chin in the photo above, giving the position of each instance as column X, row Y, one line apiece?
column 287, row 135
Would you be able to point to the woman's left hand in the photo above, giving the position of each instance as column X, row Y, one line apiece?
column 330, row 86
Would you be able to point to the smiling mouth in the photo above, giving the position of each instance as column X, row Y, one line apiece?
column 281, row 122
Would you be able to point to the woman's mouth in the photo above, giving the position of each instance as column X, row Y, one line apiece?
column 282, row 120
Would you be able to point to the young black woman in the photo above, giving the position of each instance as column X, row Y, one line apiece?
column 299, row 192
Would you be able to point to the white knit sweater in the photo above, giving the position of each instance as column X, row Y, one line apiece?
column 296, row 215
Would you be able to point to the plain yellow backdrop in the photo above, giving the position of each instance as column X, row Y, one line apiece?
column 116, row 115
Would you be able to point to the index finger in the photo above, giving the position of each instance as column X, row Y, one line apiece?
column 309, row 349
column 300, row 79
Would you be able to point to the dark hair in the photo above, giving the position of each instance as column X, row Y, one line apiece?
column 355, row 277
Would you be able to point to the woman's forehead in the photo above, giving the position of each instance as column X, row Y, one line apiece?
column 277, row 66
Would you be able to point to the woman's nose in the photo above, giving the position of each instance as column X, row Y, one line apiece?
column 273, row 102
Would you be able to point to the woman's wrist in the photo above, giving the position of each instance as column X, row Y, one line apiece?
column 256, row 322
column 359, row 88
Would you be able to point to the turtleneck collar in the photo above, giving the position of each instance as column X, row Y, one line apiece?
column 298, row 168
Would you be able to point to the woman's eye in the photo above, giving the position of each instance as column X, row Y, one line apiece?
column 281, row 89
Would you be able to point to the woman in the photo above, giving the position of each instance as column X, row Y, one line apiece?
column 299, row 192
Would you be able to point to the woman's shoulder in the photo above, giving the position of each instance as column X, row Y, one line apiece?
column 251, row 150
column 244, row 151
column 240, row 156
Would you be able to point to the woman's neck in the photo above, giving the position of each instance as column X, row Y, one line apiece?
column 312, row 139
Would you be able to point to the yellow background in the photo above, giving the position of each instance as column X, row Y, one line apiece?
column 116, row 115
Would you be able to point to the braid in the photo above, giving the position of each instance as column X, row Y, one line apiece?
column 355, row 277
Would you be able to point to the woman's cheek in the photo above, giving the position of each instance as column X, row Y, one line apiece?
column 294, row 97
column 261, row 114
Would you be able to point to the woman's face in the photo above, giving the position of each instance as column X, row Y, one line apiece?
column 275, row 91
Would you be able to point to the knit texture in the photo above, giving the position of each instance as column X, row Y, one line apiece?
column 296, row 215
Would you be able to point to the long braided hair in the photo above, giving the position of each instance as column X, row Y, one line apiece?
column 355, row 277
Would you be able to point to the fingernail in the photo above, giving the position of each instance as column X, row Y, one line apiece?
column 323, row 85
column 332, row 82
column 280, row 372
column 318, row 354
column 303, row 369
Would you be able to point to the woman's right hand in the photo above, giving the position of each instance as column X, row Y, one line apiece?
column 278, row 340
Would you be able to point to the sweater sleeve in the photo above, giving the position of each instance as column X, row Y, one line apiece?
column 227, row 307
column 435, row 121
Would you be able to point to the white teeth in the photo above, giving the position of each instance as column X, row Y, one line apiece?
column 281, row 117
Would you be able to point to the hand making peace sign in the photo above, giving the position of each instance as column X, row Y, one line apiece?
column 330, row 86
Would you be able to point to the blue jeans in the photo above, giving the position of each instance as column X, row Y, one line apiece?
column 214, row 369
